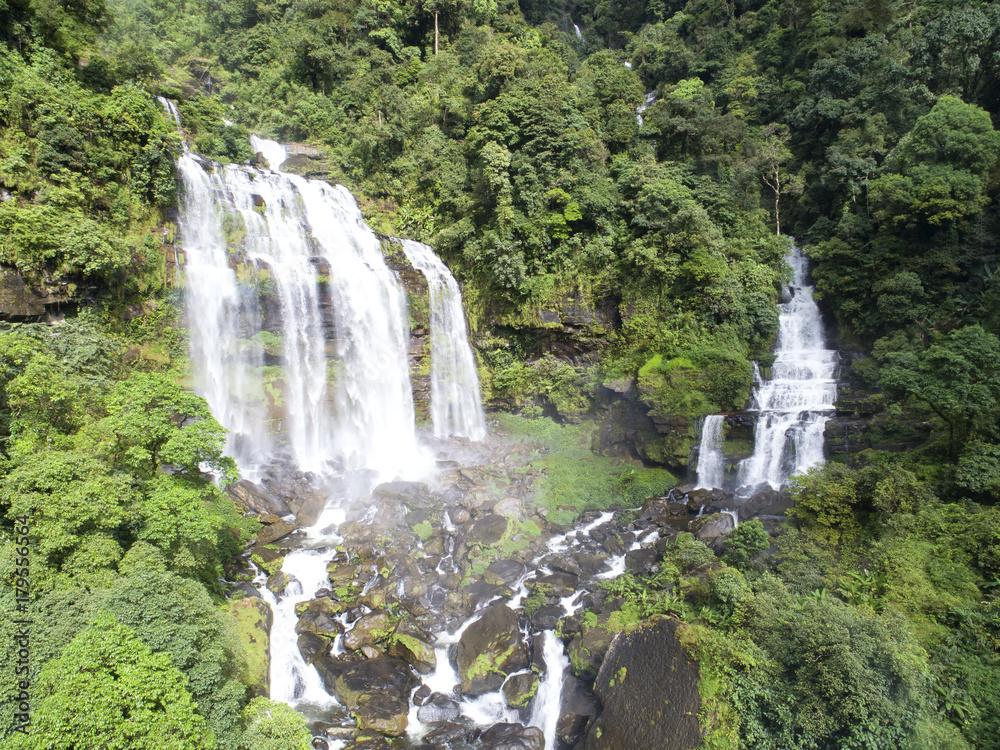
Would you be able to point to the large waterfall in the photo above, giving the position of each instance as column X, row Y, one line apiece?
column 342, row 397
column 794, row 405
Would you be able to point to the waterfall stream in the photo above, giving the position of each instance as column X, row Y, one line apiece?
column 456, row 403
column 711, row 459
column 794, row 405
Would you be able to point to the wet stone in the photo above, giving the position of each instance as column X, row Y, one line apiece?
column 489, row 650
column 512, row 737
column 558, row 583
column 313, row 646
column 437, row 709
column 504, row 572
column 488, row 530
column 519, row 689
column 547, row 617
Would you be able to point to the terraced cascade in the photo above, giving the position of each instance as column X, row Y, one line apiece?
column 795, row 403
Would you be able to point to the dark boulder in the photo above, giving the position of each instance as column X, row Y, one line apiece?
column 439, row 708
column 512, row 737
column 648, row 687
column 488, row 530
column 257, row 498
column 489, row 650
column 377, row 693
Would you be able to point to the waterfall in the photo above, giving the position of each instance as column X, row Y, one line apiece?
column 711, row 459
column 358, row 408
column 579, row 33
column 220, row 312
column 456, row 403
column 650, row 98
column 545, row 711
column 794, row 405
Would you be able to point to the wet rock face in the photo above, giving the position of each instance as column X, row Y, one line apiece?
column 257, row 498
column 377, row 693
column 648, row 687
column 511, row 737
column 490, row 649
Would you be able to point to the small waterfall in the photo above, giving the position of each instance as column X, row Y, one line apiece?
column 796, row 402
column 711, row 459
column 650, row 98
column 456, row 403
column 545, row 710
column 175, row 115
column 579, row 33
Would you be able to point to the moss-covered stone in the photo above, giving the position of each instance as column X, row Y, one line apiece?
column 253, row 628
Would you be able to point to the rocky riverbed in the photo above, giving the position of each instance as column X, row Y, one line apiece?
column 454, row 613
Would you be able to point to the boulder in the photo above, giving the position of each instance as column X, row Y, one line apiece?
column 307, row 505
column 413, row 646
column 278, row 582
column 274, row 532
column 587, row 649
column 546, row 618
column 519, row 689
column 512, row 737
column 504, row 572
column 488, row 530
column 648, row 687
column 769, row 502
column 555, row 584
column 313, row 646
column 438, row 709
column 257, row 498
column 577, row 709
column 711, row 529
column 368, row 631
column 489, row 650
column 377, row 694
column 409, row 494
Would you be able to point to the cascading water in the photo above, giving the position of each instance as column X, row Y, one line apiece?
column 711, row 459
column 545, row 712
column 796, row 402
column 222, row 315
column 456, row 402
column 291, row 229
column 650, row 98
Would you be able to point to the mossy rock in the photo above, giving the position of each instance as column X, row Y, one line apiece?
column 490, row 649
column 253, row 628
column 520, row 689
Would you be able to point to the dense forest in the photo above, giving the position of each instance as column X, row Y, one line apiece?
column 506, row 135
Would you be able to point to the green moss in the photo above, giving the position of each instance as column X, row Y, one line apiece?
column 423, row 530
column 574, row 479
column 522, row 700
column 251, row 630
column 268, row 567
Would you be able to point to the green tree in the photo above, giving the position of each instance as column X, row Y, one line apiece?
column 957, row 378
column 107, row 691
column 274, row 726
column 152, row 422
column 176, row 616
column 744, row 543
column 74, row 501
column 939, row 172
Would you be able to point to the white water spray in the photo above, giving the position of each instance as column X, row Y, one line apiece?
column 795, row 404
column 456, row 402
column 711, row 459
